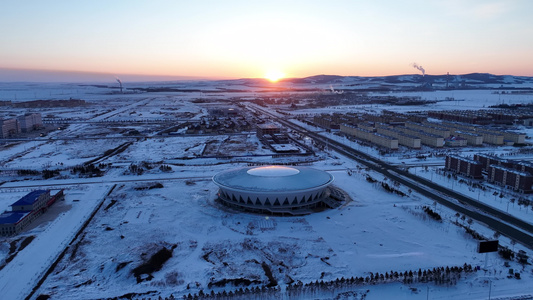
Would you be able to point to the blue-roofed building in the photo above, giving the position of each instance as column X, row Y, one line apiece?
column 10, row 221
column 25, row 210
column 34, row 200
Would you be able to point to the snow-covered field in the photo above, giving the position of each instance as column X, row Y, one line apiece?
column 376, row 232
column 462, row 100
column 22, row 273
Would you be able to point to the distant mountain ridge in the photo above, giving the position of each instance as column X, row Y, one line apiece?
column 472, row 79
column 407, row 82
column 479, row 78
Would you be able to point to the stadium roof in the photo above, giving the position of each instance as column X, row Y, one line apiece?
column 273, row 178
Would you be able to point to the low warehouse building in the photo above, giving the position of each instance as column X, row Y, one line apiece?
column 26, row 209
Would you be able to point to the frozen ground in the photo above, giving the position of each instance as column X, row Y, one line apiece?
column 376, row 232
column 463, row 100
column 19, row 276
column 490, row 196
column 46, row 154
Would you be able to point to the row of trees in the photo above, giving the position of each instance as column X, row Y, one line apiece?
column 138, row 169
column 432, row 213
column 91, row 170
column 88, row 170
column 440, row 275
column 386, row 186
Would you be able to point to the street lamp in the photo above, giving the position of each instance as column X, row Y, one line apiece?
column 490, row 287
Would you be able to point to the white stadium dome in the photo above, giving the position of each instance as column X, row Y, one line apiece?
column 275, row 189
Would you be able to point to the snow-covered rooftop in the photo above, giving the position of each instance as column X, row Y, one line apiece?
column 273, row 171
column 10, row 217
column 30, row 198
column 273, row 178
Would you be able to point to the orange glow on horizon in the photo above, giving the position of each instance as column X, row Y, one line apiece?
column 274, row 75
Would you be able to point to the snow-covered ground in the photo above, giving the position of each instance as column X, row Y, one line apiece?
column 490, row 196
column 376, row 232
column 22, row 273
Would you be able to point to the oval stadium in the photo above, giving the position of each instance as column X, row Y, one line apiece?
column 274, row 189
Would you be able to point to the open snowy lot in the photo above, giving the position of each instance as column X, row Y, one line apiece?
column 208, row 247
column 47, row 155
column 25, row 262
column 376, row 232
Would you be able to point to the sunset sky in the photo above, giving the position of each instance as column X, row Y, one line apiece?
column 235, row 39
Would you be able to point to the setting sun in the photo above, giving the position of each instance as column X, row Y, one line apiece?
column 274, row 75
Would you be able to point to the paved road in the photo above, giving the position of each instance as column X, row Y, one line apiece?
column 83, row 181
column 500, row 221
column 130, row 137
column 495, row 219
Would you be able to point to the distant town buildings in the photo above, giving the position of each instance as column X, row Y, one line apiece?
column 488, row 160
column 263, row 129
column 25, row 123
column 455, row 141
column 515, row 179
column 484, row 117
column 464, row 166
column 46, row 103
column 225, row 112
column 272, row 136
column 513, row 174
column 10, row 127
column 221, row 120
column 413, row 130
column 404, row 139
column 30, row 121
column 370, row 136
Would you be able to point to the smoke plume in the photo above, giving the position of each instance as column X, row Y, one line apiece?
column 420, row 68
column 335, row 91
column 120, row 83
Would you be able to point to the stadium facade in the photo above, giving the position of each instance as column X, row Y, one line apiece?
column 274, row 189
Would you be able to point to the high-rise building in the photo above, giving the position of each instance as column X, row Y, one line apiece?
column 9, row 127
column 30, row 121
